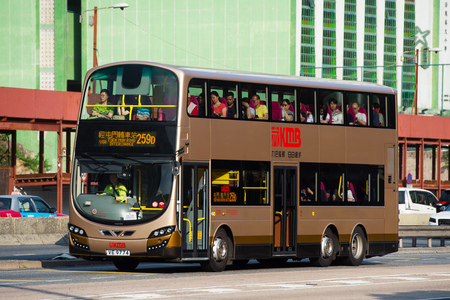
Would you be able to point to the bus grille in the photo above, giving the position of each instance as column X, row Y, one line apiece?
column 117, row 232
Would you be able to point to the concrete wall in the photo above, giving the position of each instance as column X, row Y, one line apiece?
column 33, row 231
column 414, row 219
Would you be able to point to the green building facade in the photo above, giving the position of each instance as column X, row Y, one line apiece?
column 45, row 46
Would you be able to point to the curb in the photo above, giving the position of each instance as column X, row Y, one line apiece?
column 47, row 264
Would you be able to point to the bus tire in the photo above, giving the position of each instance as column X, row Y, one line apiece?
column 328, row 249
column 126, row 264
column 220, row 253
column 357, row 248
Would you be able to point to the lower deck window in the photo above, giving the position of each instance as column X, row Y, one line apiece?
column 341, row 184
column 240, row 183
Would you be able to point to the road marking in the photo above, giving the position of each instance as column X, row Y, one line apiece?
column 289, row 286
column 102, row 272
column 24, row 254
column 409, row 278
column 350, row 282
column 19, row 280
column 104, row 277
column 217, row 290
column 57, row 280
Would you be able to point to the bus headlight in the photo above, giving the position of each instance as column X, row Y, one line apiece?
column 162, row 231
column 77, row 230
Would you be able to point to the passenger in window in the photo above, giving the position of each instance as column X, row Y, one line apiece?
column 378, row 119
column 262, row 113
column 360, row 118
column 201, row 105
column 336, row 114
column 123, row 111
column 286, row 114
column 324, row 116
column 336, row 197
column 231, row 113
column 192, row 108
column 143, row 113
column 102, row 112
column 219, row 109
column 248, row 112
column 307, row 194
column 305, row 114
column 350, row 196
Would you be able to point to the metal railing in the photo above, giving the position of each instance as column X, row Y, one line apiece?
column 429, row 232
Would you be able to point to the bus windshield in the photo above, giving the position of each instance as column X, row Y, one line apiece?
column 121, row 191
column 131, row 92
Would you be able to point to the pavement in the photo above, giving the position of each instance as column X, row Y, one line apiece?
column 65, row 260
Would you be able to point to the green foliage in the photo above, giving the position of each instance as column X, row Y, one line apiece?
column 33, row 163
column 446, row 159
column 28, row 162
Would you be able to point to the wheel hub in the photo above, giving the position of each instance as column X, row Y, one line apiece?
column 327, row 247
column 220, row 249
column 356, row 245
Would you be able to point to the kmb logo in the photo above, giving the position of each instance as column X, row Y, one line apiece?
column 286, row 137
column 117, row 245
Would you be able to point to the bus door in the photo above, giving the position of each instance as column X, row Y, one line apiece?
column 195, row 218
column 285, row 210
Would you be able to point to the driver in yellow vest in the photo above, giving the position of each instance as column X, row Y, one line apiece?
column 117, row 189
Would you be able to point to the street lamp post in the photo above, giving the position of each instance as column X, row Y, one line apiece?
column 122, row 6
column 416, row 80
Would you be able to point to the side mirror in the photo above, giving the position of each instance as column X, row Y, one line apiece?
column 442, row 208
column 52, row 210
column 175, row 168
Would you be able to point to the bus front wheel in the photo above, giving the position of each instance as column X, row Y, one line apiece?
column 126, row 264
column 328, row 249
column 357, row 248
column 220, row 253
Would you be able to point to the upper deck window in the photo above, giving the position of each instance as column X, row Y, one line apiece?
column 131, row 92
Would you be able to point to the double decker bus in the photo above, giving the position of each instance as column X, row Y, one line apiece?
column 299, row 168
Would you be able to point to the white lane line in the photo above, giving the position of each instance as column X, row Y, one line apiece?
column 57, row 280
column 104, row 277
column 409, row 278
column 217, row 290
column 350, row 282
column 24, row 254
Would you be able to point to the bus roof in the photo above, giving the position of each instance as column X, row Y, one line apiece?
column 274, row 79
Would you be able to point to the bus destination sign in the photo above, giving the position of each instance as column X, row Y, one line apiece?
column 121, row 138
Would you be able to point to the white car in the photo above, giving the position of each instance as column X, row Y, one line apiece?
column 415, row 206
column 441, row 218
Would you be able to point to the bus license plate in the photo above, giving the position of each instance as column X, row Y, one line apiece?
column 118, row 252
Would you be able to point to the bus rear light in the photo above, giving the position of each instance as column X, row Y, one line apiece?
column 155, row 204
column 162, row 231
column 161, row 204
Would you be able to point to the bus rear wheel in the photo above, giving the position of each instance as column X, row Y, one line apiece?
column 220, row 253
column 357, row 248
column 126, row 264
column 328, row 249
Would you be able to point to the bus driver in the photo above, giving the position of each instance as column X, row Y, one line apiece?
column 117, row 189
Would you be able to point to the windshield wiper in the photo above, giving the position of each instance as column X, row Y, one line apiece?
column 96, row 162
